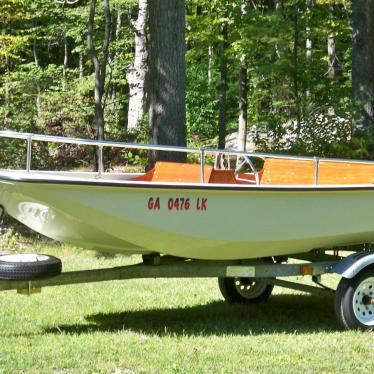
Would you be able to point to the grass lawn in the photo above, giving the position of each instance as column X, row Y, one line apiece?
column 170, row 326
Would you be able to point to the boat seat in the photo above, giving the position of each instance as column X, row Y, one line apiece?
column 165, row 171
column 285, row 171
column 222, row 176
column 330, row 172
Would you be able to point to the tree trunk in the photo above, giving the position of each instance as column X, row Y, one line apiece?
column 308, row 41
column 99, row 115
column 362, row 65
column 210, row 64
column 81, row 68
column 279, row 6
column 296, row 70
column 6, row 89
column 113, row 90
column 167, row 83
column 118, row 29
column 331, row 50
column 37, row 100
column 99, row 67
column 136, row 74
column 105, row 49
column 331, row 56
column 279, row 48
column 222, row 88
column 7, row 72
column 243, row 96
column 66, row 59
column 308, row 45
column 243, row 106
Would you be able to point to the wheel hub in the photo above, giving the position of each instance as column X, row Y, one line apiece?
column 363, row 302
column 24, row 257
column 248, row 288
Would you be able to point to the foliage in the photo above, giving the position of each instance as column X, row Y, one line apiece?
column 201, row 104
column 272, row 44
column 294, row 105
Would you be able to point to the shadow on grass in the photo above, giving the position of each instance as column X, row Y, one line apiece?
column 292, row 314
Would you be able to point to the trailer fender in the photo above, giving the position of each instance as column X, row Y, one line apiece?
column 353, row 264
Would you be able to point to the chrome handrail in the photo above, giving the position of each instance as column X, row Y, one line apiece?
column 30, row 137
column 250, row 163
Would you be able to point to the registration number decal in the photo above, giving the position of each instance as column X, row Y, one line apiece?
column 177, row 203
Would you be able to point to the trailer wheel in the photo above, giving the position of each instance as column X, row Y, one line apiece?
column 244, row 290
column 29, row 266
column 354, row 301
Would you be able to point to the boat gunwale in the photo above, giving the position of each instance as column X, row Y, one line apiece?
column 17, row 177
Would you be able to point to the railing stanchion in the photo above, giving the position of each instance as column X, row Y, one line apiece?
column 28, row 154
column 316, row 166
column 101, row 160
column 202, row 162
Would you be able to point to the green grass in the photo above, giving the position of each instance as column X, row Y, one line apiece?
column 170, row 326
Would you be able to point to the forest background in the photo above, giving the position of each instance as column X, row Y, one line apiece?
column 281, row 69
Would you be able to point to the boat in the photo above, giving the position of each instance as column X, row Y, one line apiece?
column 229, row 205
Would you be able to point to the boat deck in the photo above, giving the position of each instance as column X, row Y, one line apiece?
column 275, row 171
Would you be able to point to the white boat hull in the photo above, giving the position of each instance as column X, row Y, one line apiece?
column 218, row 222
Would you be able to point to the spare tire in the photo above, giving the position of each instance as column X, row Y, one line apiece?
column 29, row 266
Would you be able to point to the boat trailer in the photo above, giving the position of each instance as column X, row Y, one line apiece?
column 242, row 281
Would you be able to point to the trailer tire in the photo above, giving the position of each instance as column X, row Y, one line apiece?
column 350, row 307
column 29, row 266
column 244, row 290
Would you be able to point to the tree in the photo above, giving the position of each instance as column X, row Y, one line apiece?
column 363, row 65
column 243, row 95
column 167, row 87
column 222, row 121
column 331, row 49
column 278, row 47
column 136, row 74
column 100, row 67
column 12, row 42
